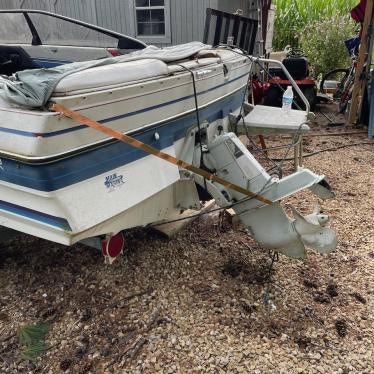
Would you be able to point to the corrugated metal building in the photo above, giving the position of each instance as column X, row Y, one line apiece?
column 159, row 22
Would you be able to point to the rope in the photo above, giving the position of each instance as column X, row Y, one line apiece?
column 137, row 144
column 77, row 117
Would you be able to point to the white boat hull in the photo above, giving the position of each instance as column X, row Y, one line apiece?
column 65, row 182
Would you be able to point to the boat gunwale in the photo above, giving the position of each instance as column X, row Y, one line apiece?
column 91, row 91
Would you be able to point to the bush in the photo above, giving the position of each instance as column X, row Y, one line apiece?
column 293, row 15
column 323, row 42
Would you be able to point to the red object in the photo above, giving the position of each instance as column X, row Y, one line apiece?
column 358, row 12
column 258, row 89
column 113, row 246
column 114, row 52
column 262, row 142
column 301, row 82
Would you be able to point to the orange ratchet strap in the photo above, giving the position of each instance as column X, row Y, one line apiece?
column 153, row 151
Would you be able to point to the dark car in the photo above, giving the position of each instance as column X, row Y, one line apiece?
column 32, row 39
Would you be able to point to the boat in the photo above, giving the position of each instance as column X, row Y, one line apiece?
column 65, row 182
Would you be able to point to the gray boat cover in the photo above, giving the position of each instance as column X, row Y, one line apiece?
column 33, row 88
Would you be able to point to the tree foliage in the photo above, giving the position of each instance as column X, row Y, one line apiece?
column 319, row 27
column 326, row 49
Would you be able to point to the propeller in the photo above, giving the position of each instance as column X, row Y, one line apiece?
column 313, row 232
column 273, row 229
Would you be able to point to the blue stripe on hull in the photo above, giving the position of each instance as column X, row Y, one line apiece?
column 65, row 172
column 58, row 222
column 49, row 62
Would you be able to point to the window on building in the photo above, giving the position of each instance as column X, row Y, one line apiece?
column 151, row 17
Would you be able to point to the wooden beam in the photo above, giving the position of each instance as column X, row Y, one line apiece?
column 360, row 81
column 263, row 144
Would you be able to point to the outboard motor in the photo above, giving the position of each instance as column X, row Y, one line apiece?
column 270, row 226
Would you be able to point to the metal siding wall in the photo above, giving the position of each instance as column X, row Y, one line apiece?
column 116, row 15
column 232, row 5
column 198, row 18
column 176, row 26
column 83, row 10
column 7, row 4
column 25, row 4
column 180, row 20
column 35, row 4
column 188, row 19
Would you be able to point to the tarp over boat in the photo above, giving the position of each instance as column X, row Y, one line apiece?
column 33, row 88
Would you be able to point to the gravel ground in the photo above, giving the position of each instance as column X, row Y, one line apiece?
column 205, row 301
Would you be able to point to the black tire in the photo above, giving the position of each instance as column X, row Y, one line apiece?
column 339, row 75
column 346, row 96
column 311, row 94
column 273, row 97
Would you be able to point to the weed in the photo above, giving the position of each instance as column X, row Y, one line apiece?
column 32, row 337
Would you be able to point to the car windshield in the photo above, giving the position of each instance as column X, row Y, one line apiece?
column 56, row 31
column 14, row 29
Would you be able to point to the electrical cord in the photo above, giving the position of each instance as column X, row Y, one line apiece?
column 296, row 136
column 250, row 198
column 216, row 209
column 197, row 118
column 196, row 108
column 275, row 147
column 245, row 199
column 285, row 158
column 332, row 149
column 256, row 61
column 241, row 117
column 274, row 160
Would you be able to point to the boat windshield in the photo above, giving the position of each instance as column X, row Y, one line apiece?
column 52, row 31
column 37, row 27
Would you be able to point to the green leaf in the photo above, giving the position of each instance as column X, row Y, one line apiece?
column 32, row 337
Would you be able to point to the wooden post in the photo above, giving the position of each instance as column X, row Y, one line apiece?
column 263, row 144
column 360, row 81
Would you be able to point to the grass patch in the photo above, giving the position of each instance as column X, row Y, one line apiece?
column 32, row 337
